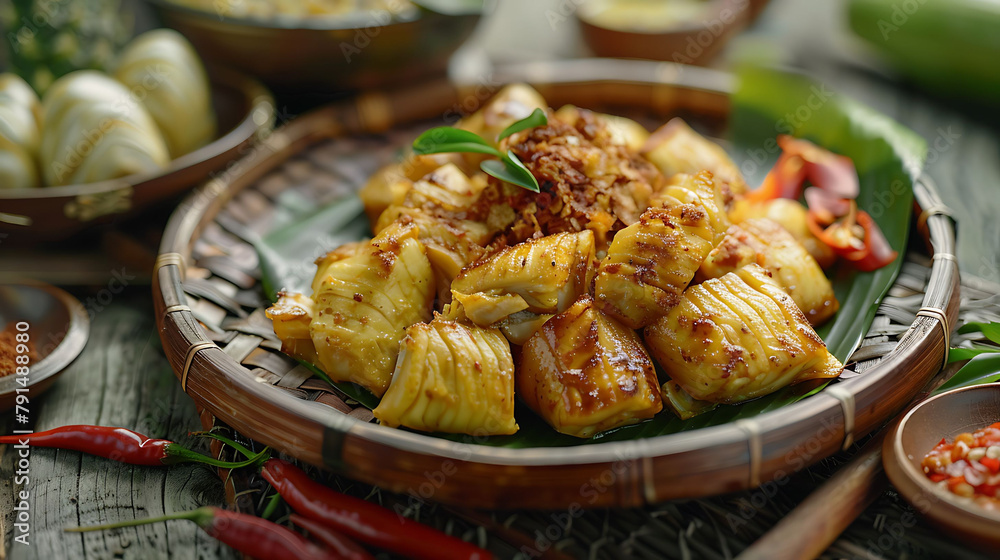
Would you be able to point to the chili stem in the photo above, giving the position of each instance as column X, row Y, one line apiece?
column 177, row 453
column 201, row 516
column 242, row 449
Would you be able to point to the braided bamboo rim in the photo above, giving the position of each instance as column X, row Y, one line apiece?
column 700, row 462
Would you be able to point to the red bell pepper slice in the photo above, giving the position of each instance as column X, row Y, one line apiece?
column 868, row 251
column 801, row 160
column 829, row 171
column 784, row 180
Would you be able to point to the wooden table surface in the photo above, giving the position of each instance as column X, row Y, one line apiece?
column 123, row 379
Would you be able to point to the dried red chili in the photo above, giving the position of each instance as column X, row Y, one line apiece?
column 364, row 521
column 119, row 444
column 333, row 540
column 248, row 534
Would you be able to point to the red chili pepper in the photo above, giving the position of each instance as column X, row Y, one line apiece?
column 333, row 540
column 829, row 171
column 937, row 477
column 364, row 521
column 954, row 481
column 248, row 534
column 869, row 252
column 119, row 444
column 801, row 160
column 992, row 464
column 784, row 180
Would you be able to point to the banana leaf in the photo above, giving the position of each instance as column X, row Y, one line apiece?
column 984, row 360
column 767, row 103
column 984, row 368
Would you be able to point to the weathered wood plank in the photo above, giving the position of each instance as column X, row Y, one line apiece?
column 121, row 379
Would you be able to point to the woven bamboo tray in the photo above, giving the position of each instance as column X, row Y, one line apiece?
column 209, row 307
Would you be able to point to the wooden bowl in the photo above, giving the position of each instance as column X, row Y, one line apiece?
column 689, row 42
column 58, row 326
column 245, row 111
column 361, row 51
column 229, row 364
column 943, row 416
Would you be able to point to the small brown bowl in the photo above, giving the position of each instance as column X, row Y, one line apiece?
column 946, row 415
column 244, row 111
column 57, row 326
column 690, row 42
column 363, row 50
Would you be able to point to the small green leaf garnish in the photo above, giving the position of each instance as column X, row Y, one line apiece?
column 444, row 139
column 511, row 170
column 536, row 118
column 507, row 167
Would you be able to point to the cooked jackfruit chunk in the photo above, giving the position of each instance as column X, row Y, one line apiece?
column 766, row 243
column 519, row 326
column 446, row 188
column 676, row 148
column 543, row 275
column 344, row 251
column 366, row 301
column 389, row 184
column 584, row 372
column 700, row 189
column 623, row 131
column 651, row 261
column 452, row 378
column 451, row 244
column 291, row 316
column 738, row 337
column 683, row 405
column 792, row 216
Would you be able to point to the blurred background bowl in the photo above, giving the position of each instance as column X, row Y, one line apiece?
column 943, row 416
column 244, row 109
column 58, row 327
column 364, row 50
column 683, row 31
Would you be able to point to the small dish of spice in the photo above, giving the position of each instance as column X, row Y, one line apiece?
column 969, row 466
column 42, row 330
column 944, row 458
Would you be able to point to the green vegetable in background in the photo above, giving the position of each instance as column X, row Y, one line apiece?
column 947, row 47
column 46, row 39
